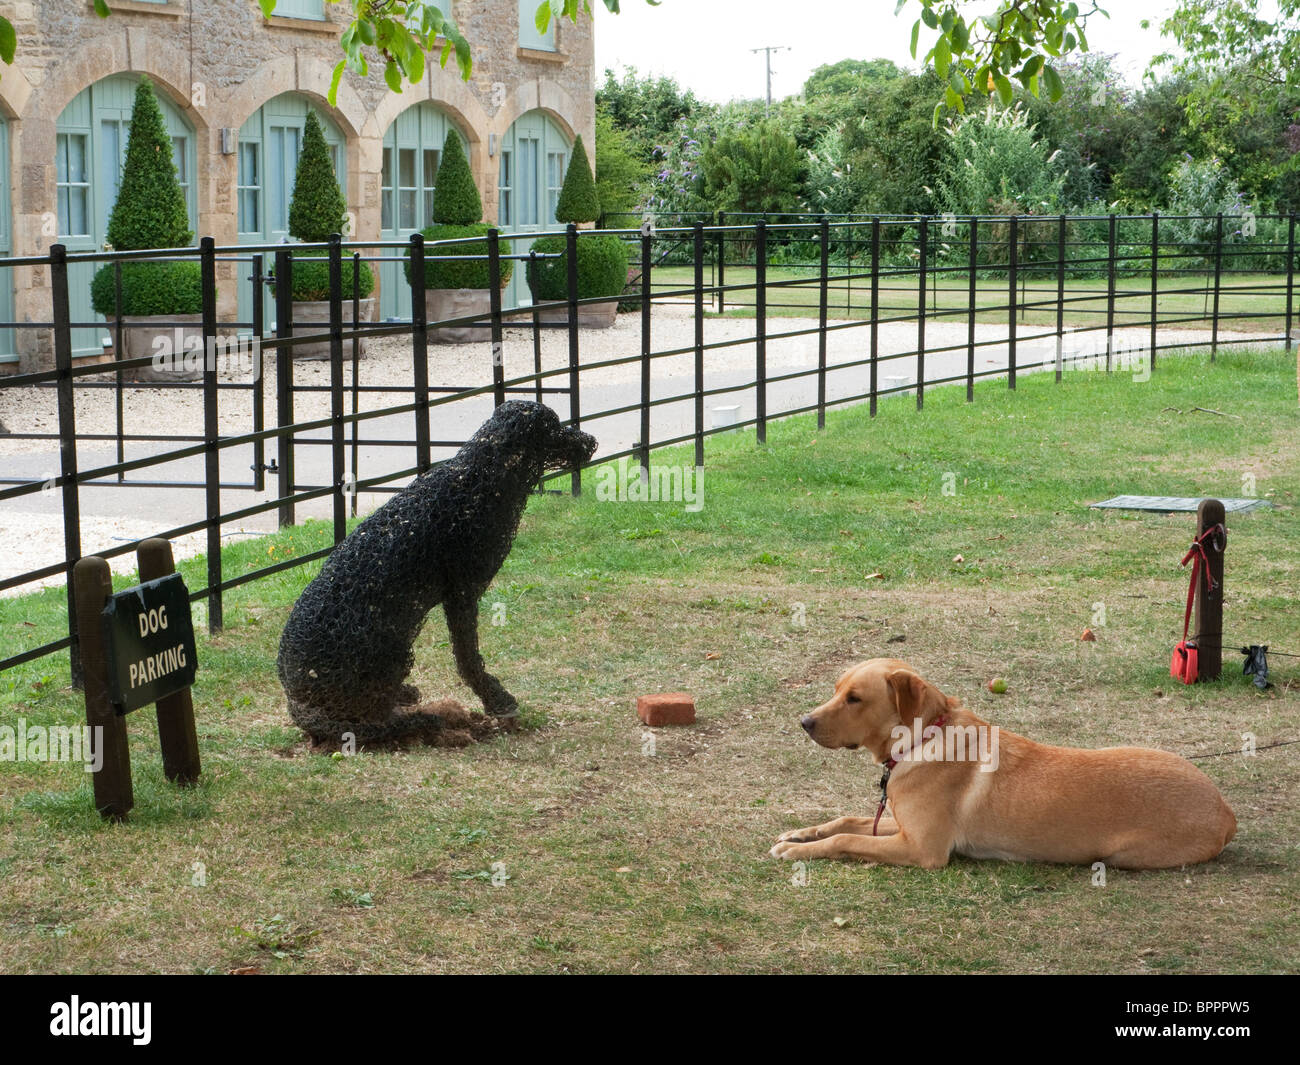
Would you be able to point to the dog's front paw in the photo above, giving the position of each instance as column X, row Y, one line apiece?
column 503, row 706
column 791, row 851
column 799, row 835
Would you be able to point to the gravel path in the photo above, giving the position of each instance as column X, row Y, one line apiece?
column 31, row 526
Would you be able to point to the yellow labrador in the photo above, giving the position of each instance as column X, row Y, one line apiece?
column 957, row 784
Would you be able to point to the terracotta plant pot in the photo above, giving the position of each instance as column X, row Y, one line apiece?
column 445, row 304
column 590, row 315
column 174, row 340
column 313, row 316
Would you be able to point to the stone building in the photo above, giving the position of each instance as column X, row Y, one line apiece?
column 235, row 89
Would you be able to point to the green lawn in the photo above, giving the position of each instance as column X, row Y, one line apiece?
column 958, row 538
column 1187, row 298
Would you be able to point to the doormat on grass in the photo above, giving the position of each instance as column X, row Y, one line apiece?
column 1173, row 504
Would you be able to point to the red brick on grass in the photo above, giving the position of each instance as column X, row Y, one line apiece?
column 670, row 708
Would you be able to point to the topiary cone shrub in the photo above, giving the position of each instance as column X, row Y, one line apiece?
column 149, row 212
column 316, row 212
column 457, row 210
column 579, row 202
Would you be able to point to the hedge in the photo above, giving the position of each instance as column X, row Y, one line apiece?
column 456, row 200
column 150, row 210
column 602, row 267
column 579, row 201
column 311, row 276
column 149, row 288
column 470, row 273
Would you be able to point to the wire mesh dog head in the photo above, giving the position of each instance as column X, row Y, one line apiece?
column 532, row 429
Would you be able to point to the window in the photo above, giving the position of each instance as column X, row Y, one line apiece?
column 386, row 191
column 528, row 35
column 73, row 185
column 249, row 188
column 407, row 192
column 506, row 190
column 312, row 9
column 554, row 182
column 527, row 205
column 432, row 157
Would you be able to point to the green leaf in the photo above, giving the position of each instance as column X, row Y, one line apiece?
column 102, row 10
column 8, row 40
column 942, row 57
column 1003, row 86
column 393, row 75
column 335, row 80
column 916, row 36
column 267, row 6
column 960, row 36
column 542, row 19
column 929, row 18
column 365, row 30
column 1053, row 82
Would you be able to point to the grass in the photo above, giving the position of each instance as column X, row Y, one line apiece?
column 581, row 845
column 1185, row 301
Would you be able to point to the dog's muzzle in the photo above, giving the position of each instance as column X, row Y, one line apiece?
column 577, row 447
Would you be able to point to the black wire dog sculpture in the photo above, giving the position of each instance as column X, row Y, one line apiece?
column 347, row 647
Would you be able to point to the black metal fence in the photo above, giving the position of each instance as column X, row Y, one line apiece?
column 1035, row 279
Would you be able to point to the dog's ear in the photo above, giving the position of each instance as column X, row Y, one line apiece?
column 913, row 696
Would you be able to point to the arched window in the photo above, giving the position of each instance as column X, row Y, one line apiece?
column 269, row 144
column 409, row 175
column 533, row 157
column 89, row 150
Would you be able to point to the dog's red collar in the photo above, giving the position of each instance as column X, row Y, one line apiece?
column 938, row 722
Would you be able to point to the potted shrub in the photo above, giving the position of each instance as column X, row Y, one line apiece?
column 316, row 212
column 457, row 289
column 602, row 257
column 161, row 302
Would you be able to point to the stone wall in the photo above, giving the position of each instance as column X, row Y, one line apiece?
column 220, row 60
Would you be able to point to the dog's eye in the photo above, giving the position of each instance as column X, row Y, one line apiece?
column 851, row 698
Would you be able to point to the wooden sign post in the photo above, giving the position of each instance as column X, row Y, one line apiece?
column 1209, row 596
column 137, row 647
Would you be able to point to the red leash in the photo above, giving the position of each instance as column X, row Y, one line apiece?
column 884, row 780
column 1184, row 664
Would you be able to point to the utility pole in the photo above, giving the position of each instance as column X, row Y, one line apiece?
column 768, row 59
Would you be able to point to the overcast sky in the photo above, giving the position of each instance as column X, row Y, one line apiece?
column 705, row 44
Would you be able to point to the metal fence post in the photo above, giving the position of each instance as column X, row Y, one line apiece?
column 647, row 253
column 1290, row 277
column 420, row 352
column 1218, row 276
column 875, row 311
column 1110, row 289
column 760, row 335
column 284, row 381
column 920, row 311
column 971, row 299
column 494, row 303
column 1155, row 284
column 336, row 387
column 535, row 320
column 699, row 343
column 211, row 430
column 119, row 353
column 1060, row 296
column 1013, row 263
column 571, row 291
column 823, row 311
column 259, row 393
column 722, row 261
column 67, row 446
column 356, row 376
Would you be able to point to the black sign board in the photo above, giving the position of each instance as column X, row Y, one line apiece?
column 149, row 636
